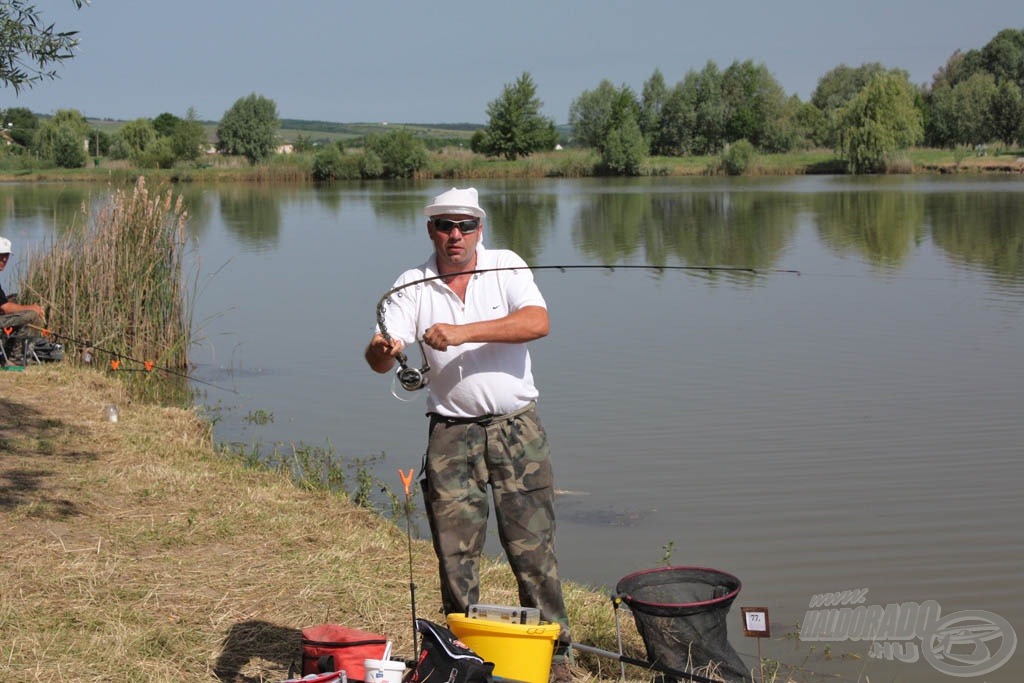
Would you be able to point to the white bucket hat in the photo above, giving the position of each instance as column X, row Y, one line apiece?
column 456, row 201
column 5, row 245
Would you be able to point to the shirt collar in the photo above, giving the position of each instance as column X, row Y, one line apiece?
column 430, row 267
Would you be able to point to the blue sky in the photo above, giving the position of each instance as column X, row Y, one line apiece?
column 443, row 61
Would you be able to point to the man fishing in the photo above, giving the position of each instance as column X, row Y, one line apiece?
column 20, row 319
column 481, row 401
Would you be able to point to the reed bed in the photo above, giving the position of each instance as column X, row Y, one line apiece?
column 113, row 283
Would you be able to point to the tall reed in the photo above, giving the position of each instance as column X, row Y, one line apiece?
column 114, row 282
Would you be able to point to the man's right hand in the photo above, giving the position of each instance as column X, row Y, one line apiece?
column 380, row 354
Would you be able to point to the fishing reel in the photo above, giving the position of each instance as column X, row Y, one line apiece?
column 412, row 379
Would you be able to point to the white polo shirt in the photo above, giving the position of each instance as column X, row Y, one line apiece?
column 473, row 379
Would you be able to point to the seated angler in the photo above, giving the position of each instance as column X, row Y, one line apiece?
column 18, row 322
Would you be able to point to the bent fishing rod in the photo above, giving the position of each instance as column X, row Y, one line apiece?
column 88, row 349
column 413, row 379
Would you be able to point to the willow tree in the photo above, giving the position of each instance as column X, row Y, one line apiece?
column 879, row 122
column 29, row 47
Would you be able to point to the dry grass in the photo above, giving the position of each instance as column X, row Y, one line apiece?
column 133, row 552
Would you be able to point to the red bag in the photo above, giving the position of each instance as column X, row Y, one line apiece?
column 330, row 647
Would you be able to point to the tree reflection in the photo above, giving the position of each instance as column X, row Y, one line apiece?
column 985, row 230
column 401, row 201
column 742, row 229
column 251, row 213
column 55, row 207
column 199, row 204
column 884, row 227
column 518, row 221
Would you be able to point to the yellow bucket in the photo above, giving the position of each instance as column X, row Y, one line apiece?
column 519, row 651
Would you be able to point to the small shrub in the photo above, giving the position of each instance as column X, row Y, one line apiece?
column 738, row 157
column 327, row 163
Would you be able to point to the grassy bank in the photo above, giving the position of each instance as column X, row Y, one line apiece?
column 134, row 551
column 461, row 164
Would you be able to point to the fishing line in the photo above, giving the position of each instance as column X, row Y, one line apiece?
column 413, row 379
column 116, row 357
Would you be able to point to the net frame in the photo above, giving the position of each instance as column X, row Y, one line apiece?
column 680, row 613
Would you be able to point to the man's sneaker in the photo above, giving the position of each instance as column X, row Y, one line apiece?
column 560, row 673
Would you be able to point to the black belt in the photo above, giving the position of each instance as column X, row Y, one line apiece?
column 482, row 420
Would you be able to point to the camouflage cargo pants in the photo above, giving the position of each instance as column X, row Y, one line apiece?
column 16, row 328
column 510, row 453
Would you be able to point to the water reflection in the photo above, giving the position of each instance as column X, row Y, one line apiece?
column 43, row 205
column 692, row 224
column 520, row 221
column 252, row 213
column 882, row 227
column 980, row 230
column 707, row 228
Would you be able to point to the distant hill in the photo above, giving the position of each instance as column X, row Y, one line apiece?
column 319, row 131
column 362, row 128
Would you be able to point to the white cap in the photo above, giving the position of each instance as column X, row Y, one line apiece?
column 456, row 201
column 5, row 245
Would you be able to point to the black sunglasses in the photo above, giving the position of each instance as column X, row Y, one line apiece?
column 466, row 227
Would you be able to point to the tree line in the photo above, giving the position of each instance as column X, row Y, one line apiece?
column 867, row 113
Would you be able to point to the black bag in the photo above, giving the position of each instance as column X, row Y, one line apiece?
column 446, row 659
column 47, row 351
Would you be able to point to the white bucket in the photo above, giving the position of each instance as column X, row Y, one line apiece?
column 383, row 671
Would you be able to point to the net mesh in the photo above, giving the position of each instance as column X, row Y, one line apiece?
column 680, row 613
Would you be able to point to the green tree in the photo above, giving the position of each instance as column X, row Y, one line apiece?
column 951, row 118
column 400, row 153
column 1003, row 57
column 652, row 101
column 515, row 125
column 608, row 120
column 623, row 147
column 963, row 114
column 165, row 123
column 590, row 114
column 133, row 139
column 57, row 131
column 675, row 133
column 159, row 154
column 29, row 48
column 809, row 124
column 248, row 128
column 188, row 137
column 756, row 107
column 1008, row 113
column 21, row 124
column 838, row 87
column 694, row 117
column 68, row 147
column 881, row 120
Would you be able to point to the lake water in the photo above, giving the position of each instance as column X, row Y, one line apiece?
column 858, row 426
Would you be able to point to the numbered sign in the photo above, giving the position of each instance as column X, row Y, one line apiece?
column 755, row 622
